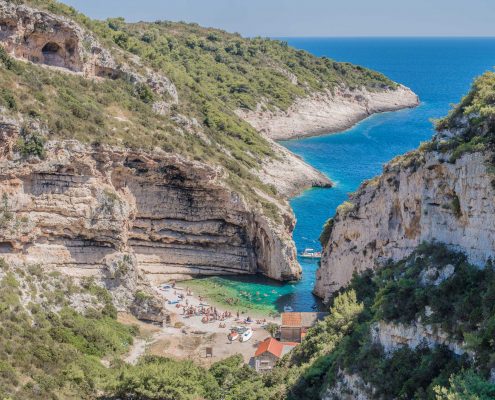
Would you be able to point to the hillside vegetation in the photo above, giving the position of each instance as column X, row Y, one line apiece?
column 214, row 72
column 52, row 350
column 472, row 121
column 54, row 334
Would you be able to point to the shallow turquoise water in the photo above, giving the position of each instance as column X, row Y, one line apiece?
column 440, row 71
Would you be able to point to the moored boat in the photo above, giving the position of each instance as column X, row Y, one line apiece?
column 310, row 253
column 246, row 335
column 233, row 335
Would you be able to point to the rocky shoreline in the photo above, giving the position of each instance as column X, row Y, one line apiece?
column 327, row 112
column 290, row 174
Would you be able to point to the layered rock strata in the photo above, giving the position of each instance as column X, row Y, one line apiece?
column 80, row 207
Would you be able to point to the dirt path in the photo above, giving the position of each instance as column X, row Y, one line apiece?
column 137, row 350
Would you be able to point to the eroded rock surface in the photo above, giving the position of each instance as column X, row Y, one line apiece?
column 44, row 38
column 424, row 196
column 348, row 386
column 81, row 207
column 393, row 336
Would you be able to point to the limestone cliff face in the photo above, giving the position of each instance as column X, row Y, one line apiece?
column 53, row 41
column 393, row 336
column 44, row 38
column 419, row 197
column 327, row 111
column 348, row 386
column 81, row 207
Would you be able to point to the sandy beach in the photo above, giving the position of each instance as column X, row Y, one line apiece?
column 188, row 336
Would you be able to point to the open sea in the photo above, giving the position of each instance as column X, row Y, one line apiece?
column 439, row 70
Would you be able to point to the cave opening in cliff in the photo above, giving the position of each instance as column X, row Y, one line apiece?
column 53, row 55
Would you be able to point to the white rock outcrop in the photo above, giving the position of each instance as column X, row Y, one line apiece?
column 289, row 174
column 327, row 111
column 348, row 387
column 421, row 197
column 44, row 38
column 393, row 336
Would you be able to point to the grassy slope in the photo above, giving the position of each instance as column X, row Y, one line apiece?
column 472, row 121
column 215, row 73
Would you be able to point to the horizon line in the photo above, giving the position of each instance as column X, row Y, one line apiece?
column 377, row 37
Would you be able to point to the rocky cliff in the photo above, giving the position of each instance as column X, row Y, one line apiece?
column 393, row 336
column 206, row 195
column 80, row 207
column 443, row 192
column 348, row 387
column 46, row 39
column 327, row 111
column 423, row 196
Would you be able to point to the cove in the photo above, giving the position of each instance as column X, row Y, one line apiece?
column 439, row 70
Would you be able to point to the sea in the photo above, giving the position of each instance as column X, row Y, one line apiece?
column 439, row 70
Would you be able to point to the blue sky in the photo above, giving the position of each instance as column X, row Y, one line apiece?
column 311, row 17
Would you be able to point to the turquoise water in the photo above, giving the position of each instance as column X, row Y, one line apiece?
column 440, row 71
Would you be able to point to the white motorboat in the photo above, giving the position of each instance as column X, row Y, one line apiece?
column 288, row 309
column 246, row 335
column 310, row 253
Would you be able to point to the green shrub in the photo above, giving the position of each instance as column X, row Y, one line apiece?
column 7, row 99
column 327, row 231
column 6, row 215
column 466, row 386
column 144, row 93
column 456, row 206
column 142, row 296
column 31, row 144
column 6, row 60
column 161, row 378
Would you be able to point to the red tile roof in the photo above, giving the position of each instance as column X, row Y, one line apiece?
column 302, row 319
column 275, row 347
column 291, row 319
column 271, row 345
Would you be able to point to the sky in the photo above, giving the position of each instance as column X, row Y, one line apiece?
column 278, row 18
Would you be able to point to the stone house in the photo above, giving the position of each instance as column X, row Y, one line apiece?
column 296, row 324
column 269, row 352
